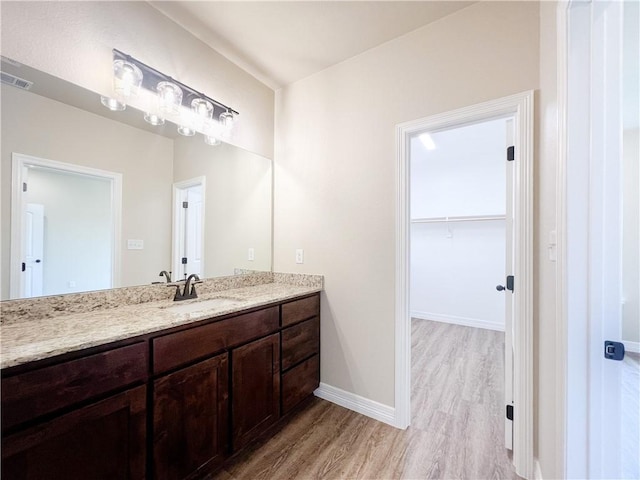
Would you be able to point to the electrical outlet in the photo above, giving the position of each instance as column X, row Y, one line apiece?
column 299, row 255
column 251, row 255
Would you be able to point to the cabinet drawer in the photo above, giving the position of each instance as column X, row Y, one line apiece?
column 299, row 342
column 179, row 348
column 32, row 394
column 300, row 382
column 298, row 310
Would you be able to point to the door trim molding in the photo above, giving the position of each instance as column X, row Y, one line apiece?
column 18, row 163
column 521, row 108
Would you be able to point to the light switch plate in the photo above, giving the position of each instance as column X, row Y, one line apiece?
column 299, row 255
column 135, row 244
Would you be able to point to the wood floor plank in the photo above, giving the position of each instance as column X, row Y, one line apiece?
column 456, row 428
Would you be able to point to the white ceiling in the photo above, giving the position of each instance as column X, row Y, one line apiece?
column 283, row 41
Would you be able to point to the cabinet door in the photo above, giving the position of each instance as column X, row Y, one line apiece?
column 190, row 419
column 255, row 387
column 105, row 440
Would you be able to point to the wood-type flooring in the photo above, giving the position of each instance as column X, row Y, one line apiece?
column 456, row 429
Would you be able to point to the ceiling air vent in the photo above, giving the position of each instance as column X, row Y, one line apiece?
column 16, row 81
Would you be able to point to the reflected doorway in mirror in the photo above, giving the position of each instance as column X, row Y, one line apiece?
column 188, row 228
column 65, row 227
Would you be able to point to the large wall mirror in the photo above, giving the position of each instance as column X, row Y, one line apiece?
column 93, row 199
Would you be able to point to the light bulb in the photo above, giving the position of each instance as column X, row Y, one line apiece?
column 186, row 131
column 153, row 119
column 226, row 119
column 169, row 97
column 202, row 108
column 127, row 78
column 112, row 103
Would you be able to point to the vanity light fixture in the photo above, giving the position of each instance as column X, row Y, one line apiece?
column 192, row 110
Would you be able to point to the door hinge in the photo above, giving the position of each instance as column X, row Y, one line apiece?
column 509, row 412
column 613, row 350
column 510, row 281
column 184, row 260
column 185, row 204
column 511, row 153
column 24, row 186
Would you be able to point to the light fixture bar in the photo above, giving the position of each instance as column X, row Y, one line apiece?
column 151, row 78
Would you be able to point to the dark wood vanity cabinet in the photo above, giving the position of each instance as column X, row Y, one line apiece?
column 105, row 440
column 168, row 405
column 256, row 388
column 190, row 419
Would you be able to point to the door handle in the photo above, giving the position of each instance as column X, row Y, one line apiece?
column 38, row 261
column 500, row 288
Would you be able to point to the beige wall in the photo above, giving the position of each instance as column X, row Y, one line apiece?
column 335, row 160
column 40, row 127
column 237, row 203
column 73, row 41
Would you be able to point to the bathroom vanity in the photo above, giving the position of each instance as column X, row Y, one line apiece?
column 170, row 403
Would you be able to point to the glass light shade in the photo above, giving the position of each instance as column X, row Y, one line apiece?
column 169, row 97
column 202, row 108
column 112, row 103
column 211, row 140
column 153, row 119
column 186, row 131
column 127, row 79
column 226, row 119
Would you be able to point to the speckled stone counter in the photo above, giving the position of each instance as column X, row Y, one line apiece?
column 37, row 337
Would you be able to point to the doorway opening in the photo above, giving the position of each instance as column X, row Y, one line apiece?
column 65, row 228
column 461, row 238
column 188, row 228
column 517, row 211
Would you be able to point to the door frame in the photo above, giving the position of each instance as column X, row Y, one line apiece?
column 19, row 163
column 521, row 108
column 178, row 221
column 588, row 48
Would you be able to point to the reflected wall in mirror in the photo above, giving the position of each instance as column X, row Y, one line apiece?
column 61, row 122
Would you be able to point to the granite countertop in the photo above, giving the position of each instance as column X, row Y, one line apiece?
column 35, row 339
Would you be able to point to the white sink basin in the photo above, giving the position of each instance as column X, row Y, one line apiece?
column 200, row 305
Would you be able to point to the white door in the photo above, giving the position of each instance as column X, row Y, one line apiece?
column 509, row 314
column 188, row 225
column 599, row 386
column 32, row 279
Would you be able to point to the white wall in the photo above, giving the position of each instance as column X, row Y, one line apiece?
column 73, row 41
column 335, row 161
column 465, row 175
column 77, row 230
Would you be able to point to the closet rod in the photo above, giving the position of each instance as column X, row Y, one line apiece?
column 469, row 218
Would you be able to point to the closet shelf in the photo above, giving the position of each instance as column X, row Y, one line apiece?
column 468, row 218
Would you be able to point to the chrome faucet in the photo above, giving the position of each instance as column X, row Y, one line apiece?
column 166, row 274
column 186, row 294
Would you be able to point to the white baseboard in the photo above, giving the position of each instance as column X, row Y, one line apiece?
column 537, row 474
column 365, row 406
column 465, row 321
column 631, row 346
